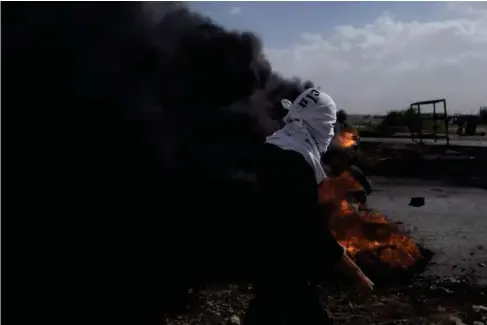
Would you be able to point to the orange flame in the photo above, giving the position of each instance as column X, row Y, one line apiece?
column 360, row 229
column 347, row 138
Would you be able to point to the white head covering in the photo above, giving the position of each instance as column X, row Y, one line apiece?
column 309, row 128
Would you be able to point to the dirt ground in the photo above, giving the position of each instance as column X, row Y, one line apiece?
column 452, row 223
column 453, row 290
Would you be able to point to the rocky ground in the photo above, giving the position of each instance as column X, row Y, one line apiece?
column 453, row 290
column 425, row 302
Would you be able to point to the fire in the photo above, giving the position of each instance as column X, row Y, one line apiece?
column 347, row 138
column 360, row 229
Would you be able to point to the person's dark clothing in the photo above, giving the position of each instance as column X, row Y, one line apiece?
column 298, row 249
column 360, row 177
column 301, row 242
column 280, row 304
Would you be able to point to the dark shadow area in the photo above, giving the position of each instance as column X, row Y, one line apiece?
column 138, row 126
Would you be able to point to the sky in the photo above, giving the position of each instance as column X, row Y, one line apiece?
column 372, row 57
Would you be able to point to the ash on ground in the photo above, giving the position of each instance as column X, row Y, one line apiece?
column 427, row 301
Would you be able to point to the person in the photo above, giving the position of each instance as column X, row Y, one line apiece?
column 340, row 159
column 342, row 120
column 298, row 250
column 343, row 125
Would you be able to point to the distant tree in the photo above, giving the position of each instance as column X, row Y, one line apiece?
column 399, row 120
column 393, row 118
column 483, row 114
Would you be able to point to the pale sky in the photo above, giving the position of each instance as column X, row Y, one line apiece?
column 372, row 57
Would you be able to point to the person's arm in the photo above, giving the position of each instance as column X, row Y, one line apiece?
column 358, row 174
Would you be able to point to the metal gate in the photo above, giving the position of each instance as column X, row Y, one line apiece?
column 421, row 120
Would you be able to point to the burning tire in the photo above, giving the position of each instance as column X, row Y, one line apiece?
column 383, row 250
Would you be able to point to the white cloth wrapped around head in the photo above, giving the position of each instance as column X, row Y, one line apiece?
column 309, row 127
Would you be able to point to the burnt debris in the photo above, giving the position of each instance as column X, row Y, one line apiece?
column 417, row 202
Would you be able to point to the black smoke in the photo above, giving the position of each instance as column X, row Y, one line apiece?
column 138, row 126
column 205, row 90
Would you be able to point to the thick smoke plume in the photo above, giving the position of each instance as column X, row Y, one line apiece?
column 146, row 121
column 218, row 91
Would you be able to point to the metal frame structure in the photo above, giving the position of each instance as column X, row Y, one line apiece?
column 443, row 116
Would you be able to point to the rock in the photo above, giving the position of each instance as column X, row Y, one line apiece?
column 482, row 264
column 479, row 308
column 445, row 319
column 455, row 320
column 234, row 320
column 400, row 322
column 417, row 202
column 477, row 323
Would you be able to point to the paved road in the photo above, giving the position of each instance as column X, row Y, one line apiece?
column 453, row 223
